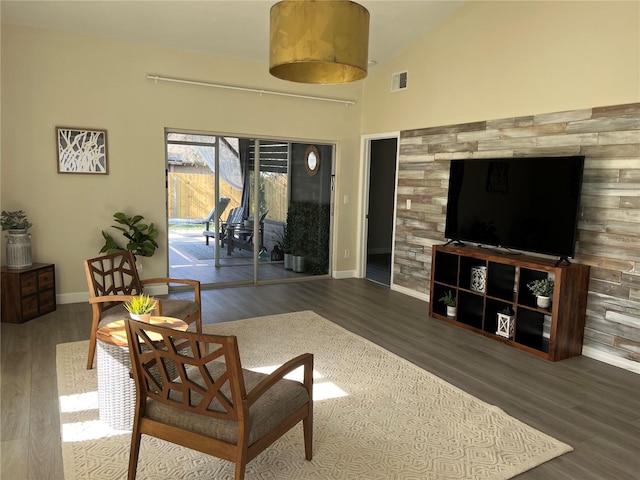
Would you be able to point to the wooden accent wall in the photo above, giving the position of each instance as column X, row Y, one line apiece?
column 609, row 224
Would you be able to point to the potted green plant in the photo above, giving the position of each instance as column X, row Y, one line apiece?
column 285, row 246
column 16, row 220
column 450, row 301
column 298, row 231
column 141, row 307
column 141, row 237
column 18, row 239
column 543, row 290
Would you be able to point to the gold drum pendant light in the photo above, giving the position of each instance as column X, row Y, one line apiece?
column 321, row 42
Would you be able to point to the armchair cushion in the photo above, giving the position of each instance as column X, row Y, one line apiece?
column 270, row 410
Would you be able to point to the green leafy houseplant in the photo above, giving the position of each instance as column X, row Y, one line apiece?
column 284, row 240
column 141, row 305
column 16, row 220
column 141, row 238
column 308, row 232
column 541, row 288
column 448, row 299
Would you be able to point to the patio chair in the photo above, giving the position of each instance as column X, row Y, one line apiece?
column 223, row 202
column 213, row 405
column 113, row 279
column 242, row 237
column 235, row 219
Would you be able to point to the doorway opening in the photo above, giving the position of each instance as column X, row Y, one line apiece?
column 380, row 211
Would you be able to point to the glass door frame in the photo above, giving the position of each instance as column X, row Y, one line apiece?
column 254, row 198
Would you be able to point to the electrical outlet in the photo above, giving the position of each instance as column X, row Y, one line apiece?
column 347, row 253
column 408, row 204
column 347, row 199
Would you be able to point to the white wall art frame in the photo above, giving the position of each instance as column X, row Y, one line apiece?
column 82, row 151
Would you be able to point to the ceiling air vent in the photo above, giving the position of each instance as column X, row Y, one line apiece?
column 399, row 81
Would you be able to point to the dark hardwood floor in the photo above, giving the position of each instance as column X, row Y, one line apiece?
column 590, row 405
column 379, row 268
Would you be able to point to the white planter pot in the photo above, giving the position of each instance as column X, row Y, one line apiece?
column 451, row 311
column 543, row 302
column 288, row 261
column 144, row 317
column 18, row 249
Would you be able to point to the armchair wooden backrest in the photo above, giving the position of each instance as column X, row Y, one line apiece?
column 112, row 275
column 113, row 279
column 191, row 390
column 186, row 355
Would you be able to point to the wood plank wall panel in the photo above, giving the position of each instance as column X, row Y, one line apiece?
column 609, row 223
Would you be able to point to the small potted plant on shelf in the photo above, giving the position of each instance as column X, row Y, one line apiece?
column 450, row 301
column 140, row 307
column 543, row 290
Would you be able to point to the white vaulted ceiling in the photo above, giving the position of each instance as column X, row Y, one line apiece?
column 238, row 28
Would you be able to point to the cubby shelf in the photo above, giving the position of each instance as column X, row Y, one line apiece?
column 555, row 333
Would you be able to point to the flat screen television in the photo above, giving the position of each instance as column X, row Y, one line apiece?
column 528, row 204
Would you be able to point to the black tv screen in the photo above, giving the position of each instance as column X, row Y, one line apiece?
column 526, row 204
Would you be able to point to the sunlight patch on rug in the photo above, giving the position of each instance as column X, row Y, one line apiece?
column 376, row 416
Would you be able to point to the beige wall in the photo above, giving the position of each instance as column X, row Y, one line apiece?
column 519, row 63
column 488, row 60
column 493, row 60
column 54, row 79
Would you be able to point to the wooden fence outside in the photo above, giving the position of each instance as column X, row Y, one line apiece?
column 192, row 195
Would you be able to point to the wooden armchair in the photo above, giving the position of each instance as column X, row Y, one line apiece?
column 213, row 405
column 113, row 279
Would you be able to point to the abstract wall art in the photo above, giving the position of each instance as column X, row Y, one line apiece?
column 82, row 150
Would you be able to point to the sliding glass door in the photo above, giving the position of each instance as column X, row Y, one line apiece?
column 241, row 210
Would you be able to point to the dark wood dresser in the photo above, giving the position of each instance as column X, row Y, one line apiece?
column 28, row 293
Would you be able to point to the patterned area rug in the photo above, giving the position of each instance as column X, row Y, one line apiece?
column 376, row 416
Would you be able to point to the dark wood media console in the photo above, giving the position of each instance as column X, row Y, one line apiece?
column 555, row 333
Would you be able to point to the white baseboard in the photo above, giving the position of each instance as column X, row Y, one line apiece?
column 83, row 297
column 611, row 359
column 344, row 274
column 411, row 293
column 78, row 297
